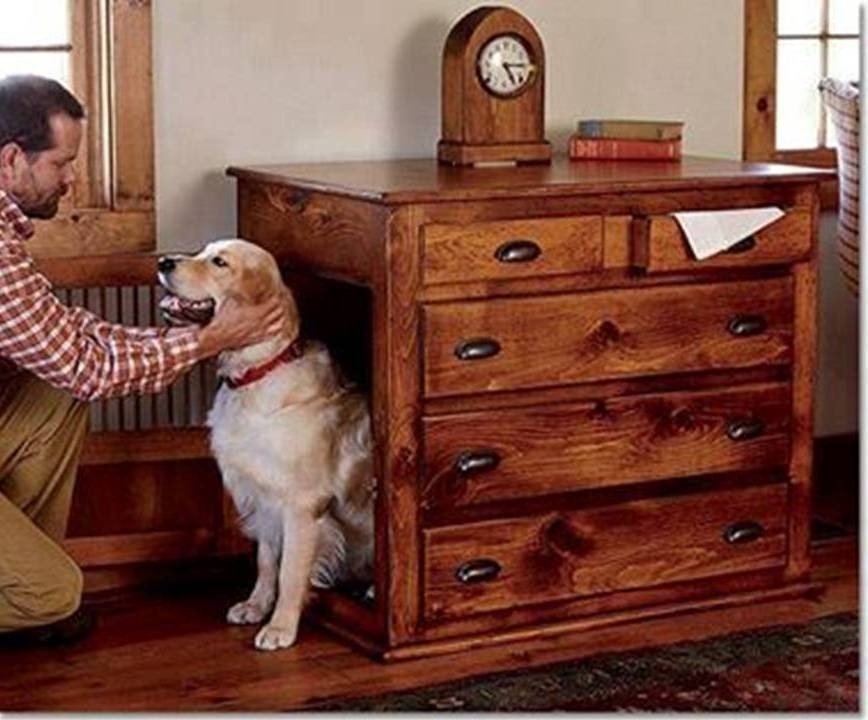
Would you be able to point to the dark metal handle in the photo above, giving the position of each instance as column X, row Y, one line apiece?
column 474, row 461
column 474, row 571
column 743, row 246
column 746, row 429
column 477, row 349
column 747, row 325
column 743, row 532
column 518, row 251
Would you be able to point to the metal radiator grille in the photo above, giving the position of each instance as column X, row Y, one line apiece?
column 184, row 404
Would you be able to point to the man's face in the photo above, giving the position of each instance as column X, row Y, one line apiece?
column 37, row 181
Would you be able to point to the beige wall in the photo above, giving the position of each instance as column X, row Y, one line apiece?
column 304, row 80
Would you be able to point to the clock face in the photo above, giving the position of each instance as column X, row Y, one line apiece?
column 505, row 66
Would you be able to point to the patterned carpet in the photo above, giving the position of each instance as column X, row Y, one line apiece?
column 809, row 668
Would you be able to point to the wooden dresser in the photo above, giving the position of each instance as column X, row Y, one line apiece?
column 577, row 423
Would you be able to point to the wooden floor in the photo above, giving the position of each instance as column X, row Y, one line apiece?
column 172, row 651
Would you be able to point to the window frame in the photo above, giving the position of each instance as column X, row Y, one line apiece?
column 111, row 206
column 760, row 80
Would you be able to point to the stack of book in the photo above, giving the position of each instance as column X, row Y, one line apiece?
column 626, row 140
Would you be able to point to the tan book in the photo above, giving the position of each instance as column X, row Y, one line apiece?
column 631, row 129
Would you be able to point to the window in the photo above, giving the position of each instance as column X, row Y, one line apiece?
column 101, row 50
column 789, row 46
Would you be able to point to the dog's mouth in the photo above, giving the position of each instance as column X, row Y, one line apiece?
column 177, row 310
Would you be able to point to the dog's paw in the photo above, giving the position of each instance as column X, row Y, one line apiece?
column 272, row 637
column 245, row 613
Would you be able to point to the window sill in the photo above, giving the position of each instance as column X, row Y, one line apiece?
column 77, row 232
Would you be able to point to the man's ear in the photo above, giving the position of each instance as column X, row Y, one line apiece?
column 8, row 157
column 11, row 157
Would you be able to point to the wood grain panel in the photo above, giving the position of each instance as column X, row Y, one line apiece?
column 395, row 403
column 758, row 121
column 132, row 95
column 296, row 224
column 639, row 544
column 614, row 441
column 425, row 180
column 665, row 249
column 804, row 379
column 151, row 445
column 93, row 232
column 560, row 339
column 458, row 253
column 83, row 271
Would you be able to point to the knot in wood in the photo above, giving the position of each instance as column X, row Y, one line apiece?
column 607, row 333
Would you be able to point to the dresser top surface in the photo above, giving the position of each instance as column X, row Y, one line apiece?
column 425, row 180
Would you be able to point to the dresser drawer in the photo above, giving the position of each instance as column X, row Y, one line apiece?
column 480, row 457
column 498, row 564
column 662, row 247
column 508, row 249
column 513, row 343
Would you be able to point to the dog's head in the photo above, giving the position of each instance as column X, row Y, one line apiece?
column 198, row 284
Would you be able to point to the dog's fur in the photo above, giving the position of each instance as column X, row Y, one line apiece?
column 294, row 447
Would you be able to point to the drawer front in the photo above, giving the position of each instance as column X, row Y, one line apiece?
column 786, row 240
column 481, row 457
column 514, row 343
column 511, row 249
column 561, row 555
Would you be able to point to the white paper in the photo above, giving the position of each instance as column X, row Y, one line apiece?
column 713, row 231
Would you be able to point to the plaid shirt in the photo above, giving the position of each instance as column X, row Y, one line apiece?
column 72, row 348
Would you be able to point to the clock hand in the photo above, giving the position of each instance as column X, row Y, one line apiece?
column 506, row 67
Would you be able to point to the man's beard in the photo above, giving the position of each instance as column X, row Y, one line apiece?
column 42, row 209
column 45, row 210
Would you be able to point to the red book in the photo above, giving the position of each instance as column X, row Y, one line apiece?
column 607, row 149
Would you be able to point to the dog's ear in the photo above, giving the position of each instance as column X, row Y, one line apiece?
column 255, row 286
column 292, row 318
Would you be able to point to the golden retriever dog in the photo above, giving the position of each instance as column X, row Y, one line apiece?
column 291, row 437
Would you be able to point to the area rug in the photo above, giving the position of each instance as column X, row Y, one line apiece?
column 812, row 667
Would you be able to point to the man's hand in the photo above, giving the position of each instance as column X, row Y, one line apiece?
column 235, row 326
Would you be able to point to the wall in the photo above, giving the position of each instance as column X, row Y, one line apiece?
column 265, row 81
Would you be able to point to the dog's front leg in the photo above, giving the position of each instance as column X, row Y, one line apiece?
column 299, row 547
column 261, row 599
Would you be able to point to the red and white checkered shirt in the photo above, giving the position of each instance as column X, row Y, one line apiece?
column 70, row 347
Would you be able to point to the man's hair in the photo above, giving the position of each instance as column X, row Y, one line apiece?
column 27, row 104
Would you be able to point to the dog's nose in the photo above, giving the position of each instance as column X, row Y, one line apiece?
column 165, row 264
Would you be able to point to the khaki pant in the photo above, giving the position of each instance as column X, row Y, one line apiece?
column 41, row 432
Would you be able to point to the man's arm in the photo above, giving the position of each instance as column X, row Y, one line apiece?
column 65, row 347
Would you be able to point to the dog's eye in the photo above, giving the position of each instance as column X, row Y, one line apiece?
column 219, row 261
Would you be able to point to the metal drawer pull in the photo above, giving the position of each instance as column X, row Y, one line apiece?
column 743, row 532
column 747, row 325
column 474, row 571
column 474, row 461
column 477, row 349
column 745, row 429
column 518, row 251
column 743, row 246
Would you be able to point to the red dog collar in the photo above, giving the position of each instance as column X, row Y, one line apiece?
column 292, row 352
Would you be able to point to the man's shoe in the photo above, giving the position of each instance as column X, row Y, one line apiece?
column 63, row 632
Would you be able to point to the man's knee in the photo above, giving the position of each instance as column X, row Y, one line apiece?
column 64, row 595
column 69, row 590
column 42, row 600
